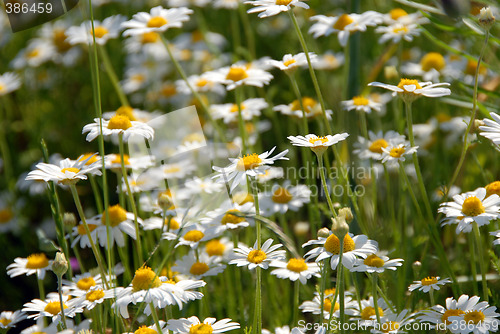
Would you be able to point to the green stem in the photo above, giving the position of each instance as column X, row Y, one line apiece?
column 482, row 265
column 324, row 275
column 97, row 195
column 340, row 284
column 112, row 75
column 241, row 122
column 248, row 30
column 41, row 289
column 296, row 291
column 155, row 317
column 473, row 265
column 325, row 187
column 59, row 290
column 375, row 297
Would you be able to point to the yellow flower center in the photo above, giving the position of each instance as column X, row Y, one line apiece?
column 193, row 236
column 472, row 206
column 236, row 74
column 5, row 216
column 332, row 244
column 360, row 101
column 249, row 161
column 368, row 312
column 397, row 152
column 318, row 139
column 149, row 37
column 406, row 82
column 396, row 13
column 173, row 225
column 451, row 313
column 144, row 279
column 145, row 330
column 330, row 291
column 196, row 36
column 402, row 29
column 281, row 196
column 201, row 329
column 118, row 159
column 429, row 280
column 374, row 261
column 2, row 88
column 234, row 108
column 33, row 53
column 59, row 40
column 37, row 261
column 92, row 296
column 283, row 3
column 171, row 169
column 91, row 160
column 201, row 82
column 85, row 283
column 256, row 256
column 343, row 21
column 70, row 169
column 168, row 90
column 54, row 307
column 126, row 111
column 215, row 248
column 119, row 122
column 441, row 117
column 307, row 102
column 116, row 215
column 493, row 188
column 432, row 60
column 230, row 218
column 289, row 62
column 327, row 306
column 156, row 22
column 471, row 66
column 199, row 268
column 297, row 265
column 390, row 326
column 5, row 321
column 99, row 31
column 378, row 145
column 474, row 317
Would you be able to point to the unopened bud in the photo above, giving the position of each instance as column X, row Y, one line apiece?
column 477, row 124
column 416, row 266
column 60, row 264
column 340, row 227
column 486, row 18
column 301, row 228
column 164, row 200
column 347, row 214
column 69, row 219
column 323, row 233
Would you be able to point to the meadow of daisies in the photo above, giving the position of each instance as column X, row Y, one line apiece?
column 260, row 166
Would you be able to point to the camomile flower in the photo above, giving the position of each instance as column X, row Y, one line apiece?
column 397, row 152
column 249, row 165
column 151, row 329
column 133, row 114
column 200, row 84
column 81, row 284
column 271, row 174
column 355, row 247
column 317, row 144
column 80, row 236
column 295, row 269
column 205, row 185
column 268, row 8
column 193, row 236
column 291, row 62
column 496, row 234
column 398, row 31
column 411, row 89
column 229, row 216
column 240, row 75
column 438, row 314
column 114, row 162
column 37, row 263
column 9, row 82
column 193, row 325
column 108, row 29
column 158, row 20
column 221, row 249
column 50, row 307
column 428, row 283
column 197, row 267
column 93, row 297
column 343, row 24
column 329, row 61
column 147, row 287
column 9, row 319
column 118, row 125
column 361, row 103
column 471, row 207
column 168, row 224
column 229, row 112
column 226, row 4
column 365, row 310
column 393, row 323
column 68, row 172
column 376, row 264
column 431, row 67
column 401, row 16
column 257, row 257
column 314, row 306
column 34, row 55
column 491, row 129
column 283, row 198
column 371, row 147
column 478, row 318
column 311, row 106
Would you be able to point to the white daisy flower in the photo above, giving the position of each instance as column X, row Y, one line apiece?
column 80, row 236
column 491, row 129
column 152, row 329
column 355, row 247
column 314, row 306
column 133, row 114
column 431, row 67
column 438, row 314
column 400, row 15
column 9, row 82
column 193, row 325
column 329, row 61
column 295, row 269
column 81, row 284
column 255, row 257
column 108, row 29
column 393, row 323
column 367, row 314
column 471, row 207
column 114, row 162
column 118, row 125
column 200, row 84
column 147, row 287
column 343, row 24
column 9, row 319
column 371, row 147
column 229, row 216
column 268, row 8
column 158, row 19
column 428, row 283
column 398, row 31
column 479, row 318
column 290, row 62
column 361, row 103
column 317, row 144
column 227, row 4
column 496, row 234
column 50, row 307
column 197, row 267
column 221, row 249
column 34, row 264
column 205, row 185
column 311, row 106
column 376, row 264
column 168, row 224
column 67, row 172
column 94, row 296
column 271, row 174
column 35, row 54
column 397, row 152
column 238, row 75
column 174, row 170
column 410, row 89
column 284, row 198
column 249, row 165
column 250, row 108
column 193, row 235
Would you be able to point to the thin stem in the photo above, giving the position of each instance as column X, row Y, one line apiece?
column 473, row 268
column 247, row 29
column 375, row 297
column 112, row 76
column 41, row 288
column 241, row 122
column 97, row 195
column 324, row 275
column 296, row 291
column 155, row 317
column 482, row 265
column 59, row 290
column 340, row 284
column 325, row 187
column 431, row 297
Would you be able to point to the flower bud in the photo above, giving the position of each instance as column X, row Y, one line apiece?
column 323, row 233
column 340, row 227
column 486, row 18
column 301, row 228
column 164, row 200
column 347, row 214
column 69, row 219
column 60, row 264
